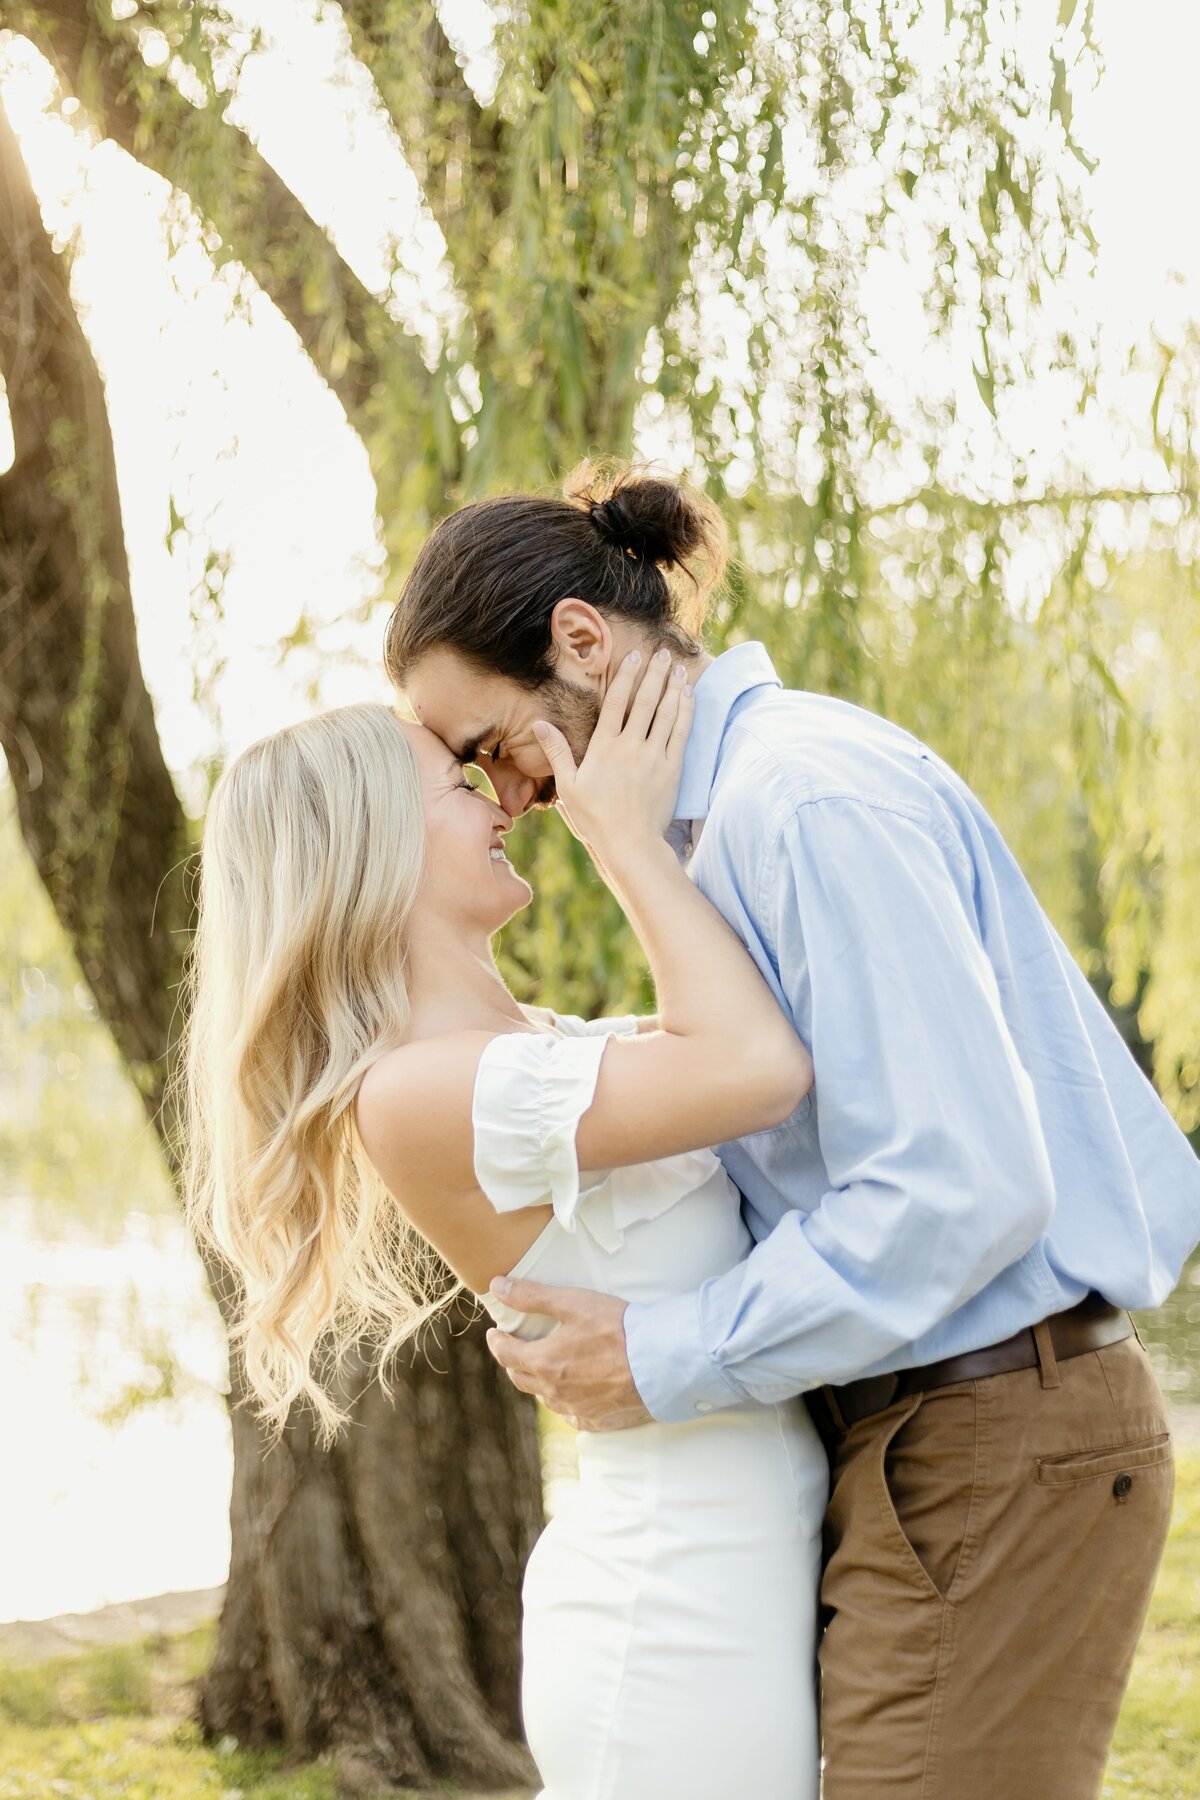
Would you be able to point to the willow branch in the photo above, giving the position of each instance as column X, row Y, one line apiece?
column 453, row 145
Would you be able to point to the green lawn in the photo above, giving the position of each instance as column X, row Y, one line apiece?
column 114, row 1722
column 1157, row 1752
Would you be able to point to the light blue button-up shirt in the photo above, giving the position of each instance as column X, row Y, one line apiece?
column 979, row 1149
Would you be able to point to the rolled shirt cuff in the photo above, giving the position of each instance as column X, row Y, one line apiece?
column 670, row 1362
column 621, row 1025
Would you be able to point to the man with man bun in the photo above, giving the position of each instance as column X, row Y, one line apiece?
column 951, row 1228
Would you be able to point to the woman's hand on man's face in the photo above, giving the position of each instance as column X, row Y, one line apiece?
column 623, row 790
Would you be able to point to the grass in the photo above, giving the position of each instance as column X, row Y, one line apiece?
column 1156, row 1755
column 114, row 1721
column 113, row 1724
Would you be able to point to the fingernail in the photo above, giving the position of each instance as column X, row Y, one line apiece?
column 635, row 656
column 663, row 656
column 501, row 1285
column 688, row 691
column 541, row 730
column 679, row 672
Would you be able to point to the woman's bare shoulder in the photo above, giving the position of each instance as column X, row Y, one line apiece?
column 413, row 1106
column 414, row 1115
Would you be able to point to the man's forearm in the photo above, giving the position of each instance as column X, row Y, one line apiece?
column 796, row 1314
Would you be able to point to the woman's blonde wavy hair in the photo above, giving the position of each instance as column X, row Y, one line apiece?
column 313, row 855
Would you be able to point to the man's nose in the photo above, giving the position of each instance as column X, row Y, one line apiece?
column 515, row 792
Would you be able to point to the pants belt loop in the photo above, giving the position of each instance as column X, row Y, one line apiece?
column 835, row 1411
column 1047, row 1361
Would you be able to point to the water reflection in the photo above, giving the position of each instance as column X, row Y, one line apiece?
column 1172, row 1337
column 113, row 1364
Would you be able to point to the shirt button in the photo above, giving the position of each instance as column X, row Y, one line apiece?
column 704, row 1406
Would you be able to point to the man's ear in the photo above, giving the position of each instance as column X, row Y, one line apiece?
column 581, row 637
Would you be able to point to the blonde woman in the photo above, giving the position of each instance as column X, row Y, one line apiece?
column 361, row 1085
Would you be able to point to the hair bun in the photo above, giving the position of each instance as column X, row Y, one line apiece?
column 613, row 522
column 651, row 517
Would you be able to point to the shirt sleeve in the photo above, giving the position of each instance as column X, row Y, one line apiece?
column 571, row 1025
column 927, row 1122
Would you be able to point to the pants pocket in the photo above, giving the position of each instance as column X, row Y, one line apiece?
column 927, row 1479
column 1110, row 1460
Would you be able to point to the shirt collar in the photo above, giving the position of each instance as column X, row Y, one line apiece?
column 718, row 690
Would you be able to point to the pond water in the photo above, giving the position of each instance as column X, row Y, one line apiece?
column 116, row 1443
column 1172, row 1336
column 106, row 1498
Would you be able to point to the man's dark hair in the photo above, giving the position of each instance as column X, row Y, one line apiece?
column 488, row 578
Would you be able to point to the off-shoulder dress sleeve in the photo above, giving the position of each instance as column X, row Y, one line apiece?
column 531, row 1090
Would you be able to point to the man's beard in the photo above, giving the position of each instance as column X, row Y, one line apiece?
column 575, row 711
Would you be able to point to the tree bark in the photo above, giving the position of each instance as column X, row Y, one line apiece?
column 97, row 807
column 372, row 1608
column 372, row 1604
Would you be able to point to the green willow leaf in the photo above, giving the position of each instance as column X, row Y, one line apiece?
column 986, row 385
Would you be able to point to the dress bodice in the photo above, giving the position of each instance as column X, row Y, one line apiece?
column 641, row 1232
column 669, row 1629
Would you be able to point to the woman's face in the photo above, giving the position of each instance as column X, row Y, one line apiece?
column 468, row 879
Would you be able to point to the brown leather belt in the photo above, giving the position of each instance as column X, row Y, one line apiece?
column 1089, row 1326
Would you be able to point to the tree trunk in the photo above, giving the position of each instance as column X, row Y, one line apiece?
column 372, row 1606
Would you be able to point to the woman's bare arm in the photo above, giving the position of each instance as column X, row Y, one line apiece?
column 722, row 1060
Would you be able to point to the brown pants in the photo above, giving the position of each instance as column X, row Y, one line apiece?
column 989, row 1557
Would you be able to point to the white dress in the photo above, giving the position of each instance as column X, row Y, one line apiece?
column 669, row 1637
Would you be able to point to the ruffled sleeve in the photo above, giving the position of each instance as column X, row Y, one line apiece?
column 531, row 1090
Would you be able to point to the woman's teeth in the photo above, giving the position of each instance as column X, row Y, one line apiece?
column 497, row 855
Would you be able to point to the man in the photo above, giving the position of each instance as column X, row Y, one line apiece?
column 948, row 1230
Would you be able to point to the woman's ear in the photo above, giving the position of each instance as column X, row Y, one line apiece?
column 582, row 639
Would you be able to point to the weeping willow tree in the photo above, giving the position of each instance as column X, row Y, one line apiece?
column 659, row 228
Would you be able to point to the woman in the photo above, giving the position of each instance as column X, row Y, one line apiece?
column 361, row 1085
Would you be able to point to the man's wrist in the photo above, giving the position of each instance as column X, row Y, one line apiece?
column 670, row 1363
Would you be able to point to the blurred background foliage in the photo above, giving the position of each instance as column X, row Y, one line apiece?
column 654, row 229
